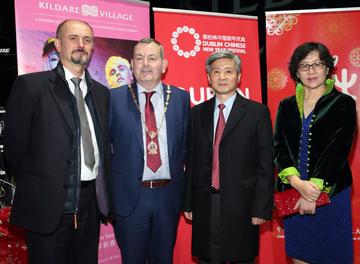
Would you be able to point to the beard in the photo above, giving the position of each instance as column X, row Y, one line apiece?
column 81, row 59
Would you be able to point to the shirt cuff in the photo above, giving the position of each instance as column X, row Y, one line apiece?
column 320, row 183
column 290, row 171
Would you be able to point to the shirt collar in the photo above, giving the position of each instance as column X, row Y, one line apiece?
column 228, row 102
column 158, row 89
column 69, row 75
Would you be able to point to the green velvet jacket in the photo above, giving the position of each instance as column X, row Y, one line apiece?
column 330, row 139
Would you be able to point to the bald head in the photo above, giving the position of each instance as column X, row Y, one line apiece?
column 61, row 26
column 75, row 43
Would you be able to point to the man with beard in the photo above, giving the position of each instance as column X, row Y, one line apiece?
column 57, row 148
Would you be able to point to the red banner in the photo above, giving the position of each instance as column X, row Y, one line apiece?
column 339, row 30
column 189, row 38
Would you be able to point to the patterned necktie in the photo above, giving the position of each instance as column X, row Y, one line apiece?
column 152, row 145
column 87, row 144
column 218, row 134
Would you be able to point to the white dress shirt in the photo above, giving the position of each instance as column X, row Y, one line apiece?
column 157, row 99
column 86, row 173
column 228, row 106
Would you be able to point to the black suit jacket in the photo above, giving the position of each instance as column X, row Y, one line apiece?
column 246, row 177
column 39, row 135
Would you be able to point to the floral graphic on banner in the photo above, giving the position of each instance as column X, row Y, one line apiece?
column 354, row 57
column 334, row 28
column 277, row 24
column 192, row 34
column 277, row 79
column 187, row 42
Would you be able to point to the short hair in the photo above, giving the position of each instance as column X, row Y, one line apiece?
column 149, row 41
column 303, row 50
column 221, row 54
column 61, row 25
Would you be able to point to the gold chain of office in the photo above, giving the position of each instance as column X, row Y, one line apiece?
column 152, row 147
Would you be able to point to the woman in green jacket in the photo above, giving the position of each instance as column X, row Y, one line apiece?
column 313, row 137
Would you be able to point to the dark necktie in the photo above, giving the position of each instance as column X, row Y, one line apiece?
column 152, row 145
column 87, row 144
column 218, row 134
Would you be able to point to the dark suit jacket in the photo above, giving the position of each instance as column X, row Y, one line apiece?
column 127, row 163
column 246, row 177
column 39, row 135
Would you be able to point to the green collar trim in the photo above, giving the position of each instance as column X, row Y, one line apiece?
column 329, row 83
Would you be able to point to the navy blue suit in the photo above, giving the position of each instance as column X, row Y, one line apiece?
column 131, row 199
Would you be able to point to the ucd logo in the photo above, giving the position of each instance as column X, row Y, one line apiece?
column 194, row 38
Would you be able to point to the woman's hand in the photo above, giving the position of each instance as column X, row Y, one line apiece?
column 305, row 206
column 308, row 190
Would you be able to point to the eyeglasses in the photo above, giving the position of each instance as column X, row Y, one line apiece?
column 319, row 65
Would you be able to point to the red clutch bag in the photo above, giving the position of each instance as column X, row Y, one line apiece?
column 285, row 202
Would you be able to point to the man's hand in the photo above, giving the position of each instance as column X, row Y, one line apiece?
column 188, row 215
column 257, row 221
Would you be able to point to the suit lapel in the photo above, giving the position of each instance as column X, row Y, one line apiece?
column 170, row 118
column 135, row 116
column 236, row 113
column 207, row 119
column 95, row 99
column 59, row 89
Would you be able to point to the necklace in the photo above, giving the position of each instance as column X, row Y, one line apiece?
column 152, row 147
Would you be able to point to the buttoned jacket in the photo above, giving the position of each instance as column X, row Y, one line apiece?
column 126, row 137
column 331, row 134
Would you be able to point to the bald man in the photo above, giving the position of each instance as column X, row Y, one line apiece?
column 56, row 146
